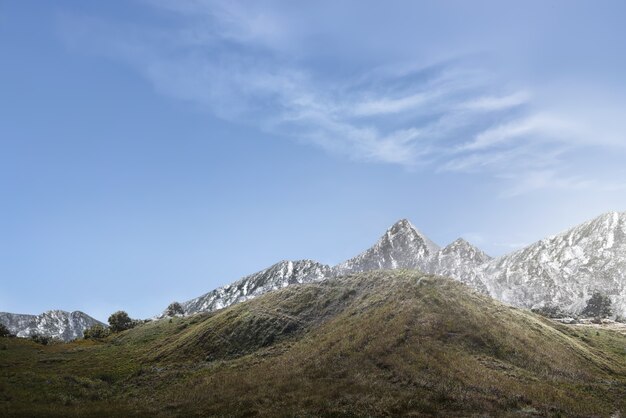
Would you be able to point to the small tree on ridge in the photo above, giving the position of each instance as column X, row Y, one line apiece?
column 120, row 321
column 174, row 309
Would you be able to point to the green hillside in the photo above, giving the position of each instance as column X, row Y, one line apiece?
column 381, row 343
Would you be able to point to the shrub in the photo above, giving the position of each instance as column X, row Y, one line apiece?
column 598, row 306
column 95, row 332
column 45, row 339
column 4, row 331
column 174, row 309
column 549, row 311
column 120, row 321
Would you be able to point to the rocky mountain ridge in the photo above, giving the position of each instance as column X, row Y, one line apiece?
column 562, row 271
column 55, row 323
column 402, row 247
column 277, row 276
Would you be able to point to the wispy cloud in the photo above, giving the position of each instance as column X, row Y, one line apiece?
column 532, row 127
column 383, row 105
column 243, row 64
column 492, row 103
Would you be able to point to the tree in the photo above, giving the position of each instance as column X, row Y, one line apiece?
column 45, row 339
column 120, row 321
column 549, row 311
column 174, row 309
column 598, row 306
column 96, row 331
column 4, row 331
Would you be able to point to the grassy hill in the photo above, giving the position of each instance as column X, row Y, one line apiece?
column 381, row 343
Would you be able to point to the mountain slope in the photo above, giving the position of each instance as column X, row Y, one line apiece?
column 372, row 344
column 59, row 324
column 274, row 277
column 459, row 260
column 401, row 247
column 564, row 270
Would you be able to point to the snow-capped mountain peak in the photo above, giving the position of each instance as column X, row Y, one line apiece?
column 402, row 246
column 562, row 270
column 460, row 260
column 465, row 250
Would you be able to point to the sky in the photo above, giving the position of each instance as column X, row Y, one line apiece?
column 153, row 150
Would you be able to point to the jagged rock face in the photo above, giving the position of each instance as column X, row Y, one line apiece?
column 402, row 247
column 565, row 270
column 64, row 325
column 562, row 271
column 460, row 260
column 275, row 277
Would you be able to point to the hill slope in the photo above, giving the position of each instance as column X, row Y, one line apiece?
column 379, row 343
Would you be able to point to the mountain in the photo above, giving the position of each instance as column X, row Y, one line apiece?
column 59, row 324
column 460, row 260
column 563, row 271
column 401, row 247
column 275, row 277
column 382, row 343
column 566, row 269
column 404, row 247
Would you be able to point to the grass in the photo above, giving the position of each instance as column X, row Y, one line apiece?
column 375, row 344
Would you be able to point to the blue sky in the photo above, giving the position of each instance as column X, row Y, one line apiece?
column 153, row 150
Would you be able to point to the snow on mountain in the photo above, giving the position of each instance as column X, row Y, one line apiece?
column 401, row 247
column 565, row 270
column 460, row 260
column 275, row 277
column 59, row 324
column 404, row 247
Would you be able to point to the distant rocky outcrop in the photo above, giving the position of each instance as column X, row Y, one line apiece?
column 63, row 325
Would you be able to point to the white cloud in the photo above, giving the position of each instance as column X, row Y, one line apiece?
column 491, row 103
column 388, row 105
column 546, row 127
column 243, row 63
